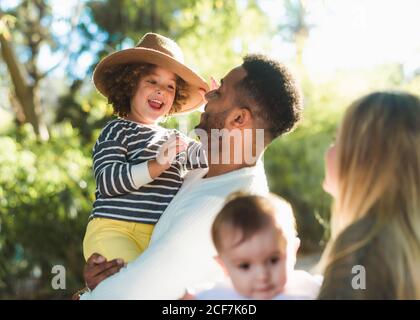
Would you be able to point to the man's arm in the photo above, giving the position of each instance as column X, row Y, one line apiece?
column 159, row 273
column 97, row 269
column 179, row 259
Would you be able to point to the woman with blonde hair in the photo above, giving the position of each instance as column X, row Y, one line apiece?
column 373, row 173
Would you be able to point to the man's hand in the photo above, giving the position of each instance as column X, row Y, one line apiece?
column 213, row 84
column 97, row 269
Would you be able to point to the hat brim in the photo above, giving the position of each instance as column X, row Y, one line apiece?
column 138, row 55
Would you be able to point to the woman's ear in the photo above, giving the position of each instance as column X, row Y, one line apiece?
column 240, row 118
column 221, row 264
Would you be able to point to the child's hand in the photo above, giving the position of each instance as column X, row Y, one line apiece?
column 169, row 150
column 166, row 155
column 213, row 84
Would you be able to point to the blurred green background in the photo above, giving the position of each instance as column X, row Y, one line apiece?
column 50, row 114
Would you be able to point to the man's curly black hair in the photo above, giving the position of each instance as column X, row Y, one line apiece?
column 271, row 94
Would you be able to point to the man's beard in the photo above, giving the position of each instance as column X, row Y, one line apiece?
column 215, row 121
column 208, row 131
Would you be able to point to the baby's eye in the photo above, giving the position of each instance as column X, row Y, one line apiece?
column 274, row 260
column 244, row 266
column 171, row 87
column 151, row 81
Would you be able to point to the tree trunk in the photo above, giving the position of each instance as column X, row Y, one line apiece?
column 25, row 93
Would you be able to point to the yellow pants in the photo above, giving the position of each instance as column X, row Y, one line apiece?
column 116, row 239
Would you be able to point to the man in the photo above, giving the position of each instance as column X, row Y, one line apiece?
column 258, row 96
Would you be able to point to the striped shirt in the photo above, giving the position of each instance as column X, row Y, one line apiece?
column 122, row 144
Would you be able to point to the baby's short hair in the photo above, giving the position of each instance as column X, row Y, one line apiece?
column 252, row 213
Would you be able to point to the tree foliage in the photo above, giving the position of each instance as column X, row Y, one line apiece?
column 47, row 188
column 46, row 194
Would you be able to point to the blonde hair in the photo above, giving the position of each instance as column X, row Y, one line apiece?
column 378, row 200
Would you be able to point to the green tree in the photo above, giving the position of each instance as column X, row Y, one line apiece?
column 21, row 41
column 46, row 194
column 295, row 27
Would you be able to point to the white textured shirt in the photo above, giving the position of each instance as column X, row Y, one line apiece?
column 181, row 253
column 300, row 286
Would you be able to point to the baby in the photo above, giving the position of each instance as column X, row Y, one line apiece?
column 255, row 238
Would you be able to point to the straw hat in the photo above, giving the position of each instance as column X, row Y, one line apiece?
column 156, row 49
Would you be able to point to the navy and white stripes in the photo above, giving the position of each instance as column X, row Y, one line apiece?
column 121, row 145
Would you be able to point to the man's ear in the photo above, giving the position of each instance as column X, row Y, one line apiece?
column 222, row 264
column 240, row 118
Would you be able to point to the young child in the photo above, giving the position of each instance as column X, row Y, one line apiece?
column 255, row 238
column 139, row 165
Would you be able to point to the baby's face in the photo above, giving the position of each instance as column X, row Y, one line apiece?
column 154, row 96
column 257, row 266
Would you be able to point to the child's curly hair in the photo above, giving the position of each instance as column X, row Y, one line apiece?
column 121, row 82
